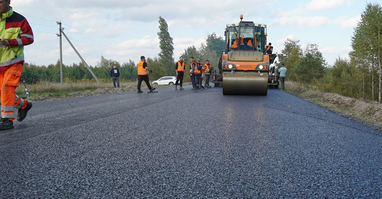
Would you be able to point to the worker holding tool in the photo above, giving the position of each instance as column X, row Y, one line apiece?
column 179, row 69
column 143, row 75
column 15, row 33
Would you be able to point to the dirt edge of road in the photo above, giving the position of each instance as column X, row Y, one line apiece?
column 365, row 112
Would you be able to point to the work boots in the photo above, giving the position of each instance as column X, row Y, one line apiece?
column 22, row 113
column 181, row 88
column 139, row 91
column 6, row 124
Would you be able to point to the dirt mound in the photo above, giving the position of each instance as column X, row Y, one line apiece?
column 365, row 112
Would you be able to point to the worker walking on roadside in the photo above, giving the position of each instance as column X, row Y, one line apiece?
column 179, row 69
column 114, row 74
column 282, row 72
column 15, row 33
column 143, row 74
column 206, row 73
column 193, row 67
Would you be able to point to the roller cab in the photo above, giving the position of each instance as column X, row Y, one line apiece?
column 245, row 63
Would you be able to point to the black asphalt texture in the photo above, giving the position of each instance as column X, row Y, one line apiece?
column 189, row 144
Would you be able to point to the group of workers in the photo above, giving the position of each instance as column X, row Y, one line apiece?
column 249, row 44
column 198, row 72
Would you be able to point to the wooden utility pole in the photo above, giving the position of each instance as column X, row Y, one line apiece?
column 60, row 35
column 83, row 61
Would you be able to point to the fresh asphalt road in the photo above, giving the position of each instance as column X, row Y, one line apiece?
column 188, row 144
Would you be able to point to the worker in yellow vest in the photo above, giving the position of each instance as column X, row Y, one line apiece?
column 15, row 33
column 143, row 75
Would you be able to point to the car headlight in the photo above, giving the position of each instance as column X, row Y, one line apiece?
column 230, row 66
column 261, row 67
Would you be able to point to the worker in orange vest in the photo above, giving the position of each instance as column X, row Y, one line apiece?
column 15, row 33
column 143, row 75
column 193, row 67
column 198, row 75
column 235, row 44
column 179, row 69
column 206, row 73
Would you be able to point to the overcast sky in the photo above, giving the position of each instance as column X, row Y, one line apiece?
column 123, row 30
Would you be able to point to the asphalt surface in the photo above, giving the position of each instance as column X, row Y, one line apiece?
column 189, row 144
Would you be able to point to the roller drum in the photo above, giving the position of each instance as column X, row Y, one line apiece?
column 245, row 84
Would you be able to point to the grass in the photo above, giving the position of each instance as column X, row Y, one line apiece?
column 56, row 89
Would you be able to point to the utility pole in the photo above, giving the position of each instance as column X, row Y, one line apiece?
column 83, row 61
column 60, row 35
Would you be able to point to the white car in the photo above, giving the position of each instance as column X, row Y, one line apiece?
column 166, row 80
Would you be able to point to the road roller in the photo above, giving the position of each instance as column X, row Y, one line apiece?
column 244, row 65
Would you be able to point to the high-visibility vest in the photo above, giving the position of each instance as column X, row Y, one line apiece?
column 256, row 43
column 241, row 41
column 141, row 70
column 235, row 44
column 196, row 65
column 269, row 46
column 196, row 70
column 180, row 66
column 250, row 43
column 207, row 70
column 15, row 28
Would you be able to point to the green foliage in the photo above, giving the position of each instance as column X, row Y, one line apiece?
column 166, row 46
column 291, row 53
column 311, row 66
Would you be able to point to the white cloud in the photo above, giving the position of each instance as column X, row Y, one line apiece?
column 326, row 4
column 347, row 22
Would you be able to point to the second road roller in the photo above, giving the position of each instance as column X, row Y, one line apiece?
column 244, row 65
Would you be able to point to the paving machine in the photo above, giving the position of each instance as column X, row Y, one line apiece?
column 244, row 65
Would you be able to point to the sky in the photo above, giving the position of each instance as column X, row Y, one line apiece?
column 123, row 30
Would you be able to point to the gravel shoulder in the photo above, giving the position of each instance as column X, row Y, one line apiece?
column 365, row 112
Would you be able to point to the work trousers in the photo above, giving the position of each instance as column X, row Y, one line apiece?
column 9, row 81
column 207, row 80
column 282, row 80
column 193, row 81
column 115, row 79
column 179, row 78
column 145, row 78
column 197, row 80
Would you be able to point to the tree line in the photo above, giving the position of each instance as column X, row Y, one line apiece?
column 162, row 65
column 359, row 77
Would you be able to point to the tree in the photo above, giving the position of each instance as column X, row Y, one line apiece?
column 166, row 46
column 367, row 45
column 291, row 53
column 311, row 66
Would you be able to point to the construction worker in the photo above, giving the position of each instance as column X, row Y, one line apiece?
column 142, row 74
column 15, row 33
column 235, row 44
column 249, row 43
column 198, row 74
column 282, row 72
column 206, row 73
column 193, row 66
column 179, row 69
column 269, row 49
